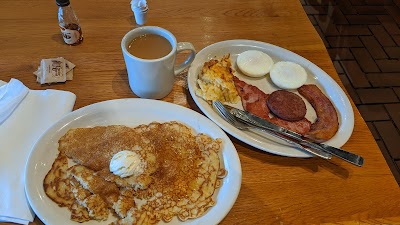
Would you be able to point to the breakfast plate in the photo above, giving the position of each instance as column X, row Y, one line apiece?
column 315, row 76
column 129, row 112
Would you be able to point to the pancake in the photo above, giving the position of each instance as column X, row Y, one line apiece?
column 123, row 205
column 186, row 179
column 79, row 213
column 181, row 173
column 56, row 184
column 94, row 205
column 94, row 147
column 93, row 183
column 140, row 182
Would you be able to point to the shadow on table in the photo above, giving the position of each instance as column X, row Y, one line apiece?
column 258, row 205
column 191, row 103
column 37, row 221
column 309, row 164
column 120, row 85
column 58, row 38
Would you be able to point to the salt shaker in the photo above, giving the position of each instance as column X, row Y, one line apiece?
column 140, row 9
column 69, row 23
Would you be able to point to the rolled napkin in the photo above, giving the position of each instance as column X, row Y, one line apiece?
column 37, row 111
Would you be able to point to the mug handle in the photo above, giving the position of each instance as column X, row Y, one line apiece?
column 182, row 46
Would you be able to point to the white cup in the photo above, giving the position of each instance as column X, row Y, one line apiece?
column 154, row 78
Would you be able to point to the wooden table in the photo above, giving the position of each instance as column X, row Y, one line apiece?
column 275, row 189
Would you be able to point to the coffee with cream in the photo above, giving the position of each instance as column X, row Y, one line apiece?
column 149, row 46
column 150, row 55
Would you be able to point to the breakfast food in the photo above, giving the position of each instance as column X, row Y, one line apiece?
column 79, row 213
column 301, row 126
column 215, row 81
column 255, row 101
column 254, row 63
column 281, row 107
column 56, row 184
column 327, row 123
column 127, row 163
column 288, row 75
column 174, row 172
column 286, row 105
column 325, row 127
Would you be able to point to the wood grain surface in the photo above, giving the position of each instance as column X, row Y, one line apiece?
column 275, row 189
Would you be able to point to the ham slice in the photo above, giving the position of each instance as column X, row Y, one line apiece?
column 301, row 126
column 255, row 101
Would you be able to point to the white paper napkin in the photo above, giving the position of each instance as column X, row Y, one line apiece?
column 18, row 133
column 11, row 95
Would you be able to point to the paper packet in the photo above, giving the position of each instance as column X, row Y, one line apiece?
column 54, row 70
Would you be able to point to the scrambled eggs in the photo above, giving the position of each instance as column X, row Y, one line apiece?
column 216, row 81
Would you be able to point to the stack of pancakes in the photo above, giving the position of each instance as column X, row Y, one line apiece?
column 180, row 177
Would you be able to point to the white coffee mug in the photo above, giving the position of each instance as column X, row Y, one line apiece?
column 154, row 78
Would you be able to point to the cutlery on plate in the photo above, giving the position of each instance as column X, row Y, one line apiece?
column 259, row 122
column 226, row 115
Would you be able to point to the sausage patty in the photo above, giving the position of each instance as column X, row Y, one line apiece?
column 287, row 105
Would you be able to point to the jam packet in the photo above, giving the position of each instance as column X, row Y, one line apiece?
column 54, row 70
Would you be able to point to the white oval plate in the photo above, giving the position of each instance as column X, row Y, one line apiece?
column 129, row 112
column 315, row 76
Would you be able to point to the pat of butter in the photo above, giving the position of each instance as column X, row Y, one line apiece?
column 127, row 163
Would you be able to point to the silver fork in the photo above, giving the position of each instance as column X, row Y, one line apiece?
column 227, row 116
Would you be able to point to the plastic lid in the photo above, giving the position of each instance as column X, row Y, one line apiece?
column 62, row 2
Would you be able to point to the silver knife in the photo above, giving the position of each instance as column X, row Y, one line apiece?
column 257, row 121
column 319, row 153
